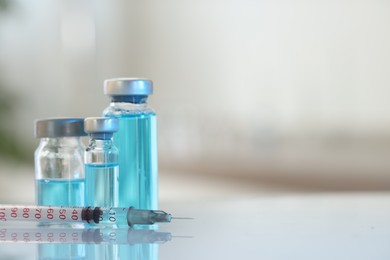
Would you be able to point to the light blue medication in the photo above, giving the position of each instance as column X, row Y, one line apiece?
column 102, row 184
column 59, row 168
column 101, row 163
column 136, row 141
column 60, row 192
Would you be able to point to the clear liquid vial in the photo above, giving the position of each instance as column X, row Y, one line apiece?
column 59, row 175
column 101, row 163
column 136, row 141
column 59, row 167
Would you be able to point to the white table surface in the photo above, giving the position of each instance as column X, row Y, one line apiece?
column 235, row 221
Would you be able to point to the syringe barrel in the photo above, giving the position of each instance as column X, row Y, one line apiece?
column 41, row 214
column 91, row 215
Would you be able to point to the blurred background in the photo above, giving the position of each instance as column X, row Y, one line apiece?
column 266, row 93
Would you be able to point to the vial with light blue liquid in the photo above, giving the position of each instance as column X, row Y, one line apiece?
column 101, row 175
column 137, row 144
column 59, row 174
column 101, row 163
column 136, row 141
column 59, row 167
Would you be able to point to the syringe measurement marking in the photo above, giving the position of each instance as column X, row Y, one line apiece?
column 50, row 214
column 38, row 213
column 14, row 212
column 26, row 212
column 2, row 214
column 112, row 216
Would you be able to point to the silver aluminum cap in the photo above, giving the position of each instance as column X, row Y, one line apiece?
column 59, row 127
column 101, row 125
column 128, row 86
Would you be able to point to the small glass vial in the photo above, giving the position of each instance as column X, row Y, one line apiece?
column 136, row 141
column 59, row 167
column 101, row 163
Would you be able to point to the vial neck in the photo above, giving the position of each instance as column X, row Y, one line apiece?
column 100, row 143
column 62, row 141
column 101, row 136
column 134, row 99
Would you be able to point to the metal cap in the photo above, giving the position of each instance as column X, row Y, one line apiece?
column 59, row 127
column 101, row 125
column 128, row 86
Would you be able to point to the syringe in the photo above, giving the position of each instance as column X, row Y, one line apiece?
column 91, row 215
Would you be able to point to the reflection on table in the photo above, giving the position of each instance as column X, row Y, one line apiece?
column 89, row 243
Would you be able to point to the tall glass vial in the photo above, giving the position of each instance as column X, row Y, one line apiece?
column 101, row 163
column 59, row 168
column 136, row 141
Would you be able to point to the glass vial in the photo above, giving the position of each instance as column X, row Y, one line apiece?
column 59, row 171
column 136, row 141
column 59, row 168
column 101, row 163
